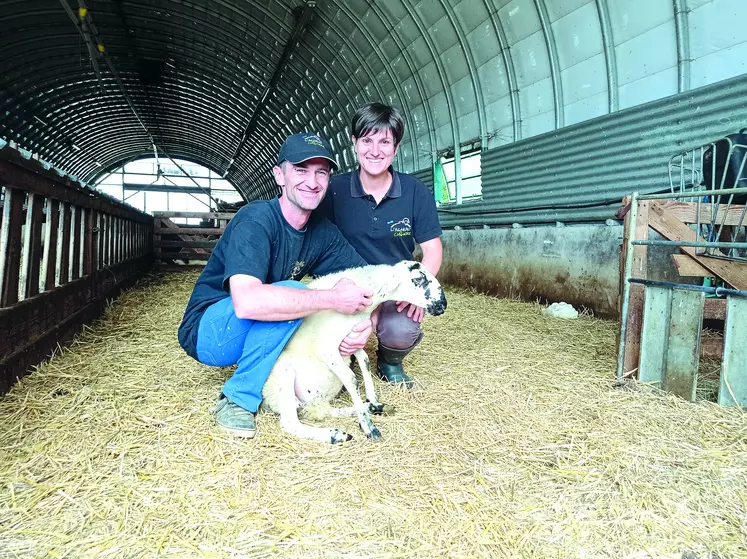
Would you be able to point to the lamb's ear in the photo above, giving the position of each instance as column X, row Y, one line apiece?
column 389, row 285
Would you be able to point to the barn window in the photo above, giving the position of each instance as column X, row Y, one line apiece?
column 140, row 184
column 445, row 178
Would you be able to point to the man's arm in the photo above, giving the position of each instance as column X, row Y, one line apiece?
column 255, row 300
column 433, row 252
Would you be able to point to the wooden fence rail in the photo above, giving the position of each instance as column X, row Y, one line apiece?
column 179, row 246
column 64, row 250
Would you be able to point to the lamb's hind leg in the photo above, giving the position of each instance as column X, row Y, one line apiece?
column 346, row 375
column 288, row 410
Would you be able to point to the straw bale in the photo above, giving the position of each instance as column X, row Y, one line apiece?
column 517, row 443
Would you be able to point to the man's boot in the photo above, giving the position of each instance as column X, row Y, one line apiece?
column 389, row 365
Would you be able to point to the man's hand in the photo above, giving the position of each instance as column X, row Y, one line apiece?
column 349, row 298
column 414, row 312
column 357, row 338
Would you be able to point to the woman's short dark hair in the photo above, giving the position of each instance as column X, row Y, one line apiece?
column 374, row 117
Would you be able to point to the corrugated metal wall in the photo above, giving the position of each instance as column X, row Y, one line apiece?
column 590, row 166
column 426, row 175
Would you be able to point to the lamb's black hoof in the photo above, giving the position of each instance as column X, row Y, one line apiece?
column 339, row 436
column 375, row 434
column 380, row 409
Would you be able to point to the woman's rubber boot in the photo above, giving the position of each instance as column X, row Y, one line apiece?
column 389, row 366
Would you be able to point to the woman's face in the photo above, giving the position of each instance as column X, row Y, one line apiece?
column 375, row 151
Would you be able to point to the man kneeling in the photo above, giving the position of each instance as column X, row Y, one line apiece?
column 247, row 302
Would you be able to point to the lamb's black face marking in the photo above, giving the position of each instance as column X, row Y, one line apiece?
column 421, row 281
column 437, row 308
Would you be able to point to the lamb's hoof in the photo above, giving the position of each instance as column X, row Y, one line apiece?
column 339, row 436
column 375, row 434
column 380, row 409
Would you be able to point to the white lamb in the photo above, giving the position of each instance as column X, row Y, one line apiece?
column 310, row 371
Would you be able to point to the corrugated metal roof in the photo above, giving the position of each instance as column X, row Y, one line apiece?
column 191, row 76
column 596, row 163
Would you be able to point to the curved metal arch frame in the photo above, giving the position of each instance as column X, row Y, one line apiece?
column 386, row 65
column 319, row 79
column 199, row 78
column 86, row 86
column 682, row 30
column 443, row 79
column 610, row 57
column 552, row 53
column 508, row 63
column 474, row 76
column 272, row 16
column 415, row 76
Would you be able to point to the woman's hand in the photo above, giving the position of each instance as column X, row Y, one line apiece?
column 357, row 338
column 414, row 312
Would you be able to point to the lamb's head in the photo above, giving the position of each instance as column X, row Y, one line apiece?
column 412, row 282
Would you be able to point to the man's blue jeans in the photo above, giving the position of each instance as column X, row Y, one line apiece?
column 223, row 339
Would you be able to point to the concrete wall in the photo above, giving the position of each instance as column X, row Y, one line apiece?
column 575, row 264
column 578, row 264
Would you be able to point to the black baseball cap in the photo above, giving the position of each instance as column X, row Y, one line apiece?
column 304, row 146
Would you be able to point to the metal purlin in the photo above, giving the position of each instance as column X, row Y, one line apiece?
column 253, row 175
column 295, row 36
column 247, row 17
column 417, row 80
column 362, row 62
column 552, row 53
column 508, row 63
column 27, row 117
column 610, row 57
column 449, row 98
column 388, row 68
column 474, row 76
column 253, row 19
column 682, row 30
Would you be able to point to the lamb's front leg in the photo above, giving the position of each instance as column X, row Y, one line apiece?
column 375, row 407
column 337, row 364
column 362, row 358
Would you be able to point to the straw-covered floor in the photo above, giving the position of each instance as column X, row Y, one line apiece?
column 515, row 444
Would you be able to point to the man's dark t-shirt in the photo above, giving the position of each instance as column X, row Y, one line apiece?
column 385, row 233
column 259, row 242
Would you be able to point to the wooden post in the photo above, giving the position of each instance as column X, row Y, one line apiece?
column 733, row 385
column 76, row 244
column 49, row 265
column 11, row 245
column 637, row 293
column 37, row 215
column 88, row 241
column 63, row 264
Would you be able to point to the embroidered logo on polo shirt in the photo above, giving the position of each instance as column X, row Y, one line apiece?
column 314, row 140
column 296, row 271
column 402, row 228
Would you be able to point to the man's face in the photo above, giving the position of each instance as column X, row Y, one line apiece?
column 305, row 183
column 375, row 151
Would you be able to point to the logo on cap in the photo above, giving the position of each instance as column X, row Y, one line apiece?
column 314, row 140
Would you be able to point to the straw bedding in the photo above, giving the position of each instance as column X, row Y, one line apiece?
column 516, row 443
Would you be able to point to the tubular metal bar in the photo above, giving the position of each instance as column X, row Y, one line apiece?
column 703, row 244
column 693, row 193
column 626, row 285
column 690, row 287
